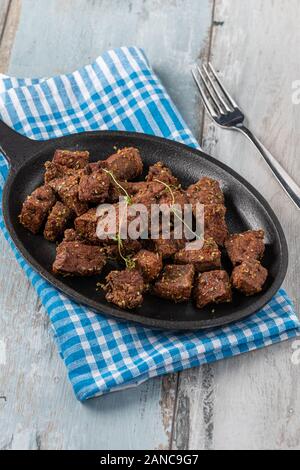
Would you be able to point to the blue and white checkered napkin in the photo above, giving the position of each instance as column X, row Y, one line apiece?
column 120, row 91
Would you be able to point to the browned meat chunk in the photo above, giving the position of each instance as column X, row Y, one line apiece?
column 177, row 197
column 125, row 288
column 215, row 224
column 148, row 195
column 212, row 287
column 160, row 172
column 71, row 159
column 57, row 221
column 70, row 235
column 121, row 221
column 168, row 247
column 94, row 187
column 86, row 225
column 205, row 191
column 245, row 246
column 130, row 247
column 139, row 191
column 173, row 205
column 77, row 259
column 126, row 164
column 67, row 189
column 36, row 208
column 175, row 283
column 95, row 166
column 149, row 264
column 204, row 259
column 110, row 251
column 249, row 277
column 54, row 171
column 116, row 192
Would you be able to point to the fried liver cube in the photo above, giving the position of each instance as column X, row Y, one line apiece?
column 177, row 197
column 67, row 189
column 148, row 194
column 106, row 222
column 87, row 228
column 249, row 277
column 95, row 166
column 78, row 259
column 160, row 172
column 205, row 191
column 121, row 221
column 125, row 288
column 173, row 205
column 53, row 171
column 214, row 223
column 126, row 164
column 169, row 246
column 212, row 287
column 70, row 235
column 139, row 190
column 116, row 192
column 57, row 171
column 130, row 247
column 175, row 283
column 71, row 159
column 149, row 264
column 36, row 208
column 206, row 258
column 94, row 187
column 57, row 221
column 86, row 225
column 245, row 246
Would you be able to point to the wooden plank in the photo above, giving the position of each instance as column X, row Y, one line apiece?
column 252, row 401
column 4, row 6
column 39, row 410
column 9, row 18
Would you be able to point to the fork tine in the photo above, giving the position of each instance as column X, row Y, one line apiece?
column 210, row 94
column 206, row 102
column 228, row 96
column 225, row 105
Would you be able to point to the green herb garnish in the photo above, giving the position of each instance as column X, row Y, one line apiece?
column 168, row 187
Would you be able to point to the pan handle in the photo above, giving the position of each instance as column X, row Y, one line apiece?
column 16, row 147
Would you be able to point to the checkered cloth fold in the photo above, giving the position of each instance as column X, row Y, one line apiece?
column 120, row 91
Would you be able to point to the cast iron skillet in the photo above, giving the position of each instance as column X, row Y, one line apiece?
column 246, row 209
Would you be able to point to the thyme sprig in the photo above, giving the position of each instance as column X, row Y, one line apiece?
column 128, row 260
column 175, row 212
column 128, row 198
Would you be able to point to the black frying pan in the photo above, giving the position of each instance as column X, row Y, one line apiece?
column 246, row 209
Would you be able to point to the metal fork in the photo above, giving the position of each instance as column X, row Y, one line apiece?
column 225, row 112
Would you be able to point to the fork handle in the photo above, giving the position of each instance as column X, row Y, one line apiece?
column 288, row 184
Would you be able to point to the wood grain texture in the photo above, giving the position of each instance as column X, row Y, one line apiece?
column 4, row 6
column 9, row 18
column 38, row 409
column 252, row 401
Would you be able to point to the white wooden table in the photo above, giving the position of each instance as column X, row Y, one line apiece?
column 248, row 402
